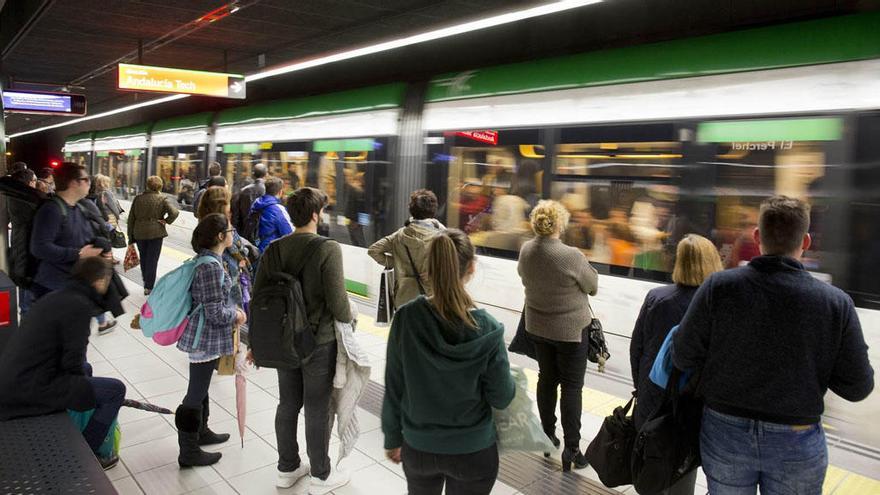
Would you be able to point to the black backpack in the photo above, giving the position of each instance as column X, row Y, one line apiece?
column 280, row 333
column 251, row 230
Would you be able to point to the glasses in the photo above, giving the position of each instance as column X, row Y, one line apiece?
column 230, row 230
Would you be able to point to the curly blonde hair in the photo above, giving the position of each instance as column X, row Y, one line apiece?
column 549, row 217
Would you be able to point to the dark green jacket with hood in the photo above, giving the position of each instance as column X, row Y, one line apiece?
column 442, row 381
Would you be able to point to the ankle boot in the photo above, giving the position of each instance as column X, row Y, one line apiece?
column 187, row 420
column 206, row 436
column 555, row 440
column 573, row 455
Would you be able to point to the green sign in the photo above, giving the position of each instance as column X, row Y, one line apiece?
column 241, row 148
column 733, row 131
column 344, row 145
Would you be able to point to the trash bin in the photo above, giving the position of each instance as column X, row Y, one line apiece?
column 8, row 309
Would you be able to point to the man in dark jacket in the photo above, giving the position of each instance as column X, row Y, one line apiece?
column 213, row 174
column 43, row 368
column 242, row 201
column 22, row 202
column 770, row 340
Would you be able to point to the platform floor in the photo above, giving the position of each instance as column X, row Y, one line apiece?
column 158, row 374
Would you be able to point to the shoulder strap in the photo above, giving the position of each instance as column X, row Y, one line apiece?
column 415, row 270
column 62, row 205
column 310, row 250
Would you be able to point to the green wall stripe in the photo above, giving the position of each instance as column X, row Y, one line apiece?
column 79, row 137
column 358, row 288
column 357, row 100
column 821, row 129
column 836, row 39
column 183, row 122
column 132, row 130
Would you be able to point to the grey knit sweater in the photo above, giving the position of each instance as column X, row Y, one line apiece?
column 558, row 279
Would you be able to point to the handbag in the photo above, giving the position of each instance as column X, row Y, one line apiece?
column 226, row 364
column 668, row 445
column 117, row 239
column 131, row 258
column 517, row 427
column 610, row 452
column 521, row 344
column 385, row 309
column 597, row 350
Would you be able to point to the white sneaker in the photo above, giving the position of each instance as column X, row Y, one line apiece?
column 337, row 478
column 287, row 480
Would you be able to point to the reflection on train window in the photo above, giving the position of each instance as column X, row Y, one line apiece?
column 178, row 168
column 653, row 159
column 125, row 169
column 748, row 173
column 287, row 161
column 495, row 180
column 83, row 158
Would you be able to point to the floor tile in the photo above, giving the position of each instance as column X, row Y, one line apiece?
column 262, row 481
column 149, row 373
column 262, row 423
column 161, row 386
column 229, row 426
column 394, row 468
column 372, row 444
column 222, row 488
column 372, row 480
column 257, row 400
column 264, row 378
column 129, row 414
column 150, row 455
column 145, row 430
column 171, row 479
column 118, row 472
column 502, row 489
column 367, row 421
column 145, row 360
column 236, row 460
column 127, row 486
column 356, row 460
column 222, row 387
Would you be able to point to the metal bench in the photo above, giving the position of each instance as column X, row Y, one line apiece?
column 47, row 454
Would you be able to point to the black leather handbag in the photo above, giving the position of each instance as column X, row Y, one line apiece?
column 117, row 239
column 610, row 452
column 597, row 352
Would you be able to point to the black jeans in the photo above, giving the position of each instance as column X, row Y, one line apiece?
column 309, row 385
column 464, row 474
column 199, row 380
column 561, row 364
column 149, row 250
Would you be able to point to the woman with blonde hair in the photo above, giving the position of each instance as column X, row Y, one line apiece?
column 695, row 259
column 106, row 200
column 447, row 368
column 150, row 212
column 558, row 281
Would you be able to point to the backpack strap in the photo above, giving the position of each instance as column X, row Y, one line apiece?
column 412, row 264
column 311, row 248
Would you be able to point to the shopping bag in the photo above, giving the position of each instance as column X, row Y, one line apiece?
column 610, row 452
column 385, row 310
column 521, row 343
column 110, row 446
column 131, row 258
column 517, row 426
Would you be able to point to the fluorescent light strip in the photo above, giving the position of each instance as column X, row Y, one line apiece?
column 467, row 27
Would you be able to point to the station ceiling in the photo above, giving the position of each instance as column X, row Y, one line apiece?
column 66, row 42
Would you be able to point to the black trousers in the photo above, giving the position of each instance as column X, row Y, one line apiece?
column 199, row 380
column 463, row 474
column 149, row 251
column 561, row 365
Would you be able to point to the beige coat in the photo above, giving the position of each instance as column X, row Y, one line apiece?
column 390, row 251
column 150, row 211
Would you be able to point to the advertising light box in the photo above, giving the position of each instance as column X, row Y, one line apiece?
column 17, row 101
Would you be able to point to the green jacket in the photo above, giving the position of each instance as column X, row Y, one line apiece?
column 147, row 209
column 323, row 281
column 442, row 381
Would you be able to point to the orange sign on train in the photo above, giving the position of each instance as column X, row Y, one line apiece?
column 170, row 80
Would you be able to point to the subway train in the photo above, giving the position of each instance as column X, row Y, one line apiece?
column 642, row 144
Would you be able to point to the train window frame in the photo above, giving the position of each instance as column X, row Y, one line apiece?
column 201, row 170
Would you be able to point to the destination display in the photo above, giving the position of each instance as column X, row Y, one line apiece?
column 17, row 101
column 170, row 80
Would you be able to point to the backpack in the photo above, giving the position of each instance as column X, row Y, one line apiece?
column 280, row 333
column 251, row 230
column 168, row 309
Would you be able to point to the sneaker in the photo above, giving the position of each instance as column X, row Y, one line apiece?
column 337, row 478
column 108, row 463
column 107, row 327
column 287, row 480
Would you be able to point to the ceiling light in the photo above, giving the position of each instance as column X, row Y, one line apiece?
column 467, row 27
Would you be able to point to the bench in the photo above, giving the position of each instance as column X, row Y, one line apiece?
column 47, row 454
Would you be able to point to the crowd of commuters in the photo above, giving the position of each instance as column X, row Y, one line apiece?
column 447, row 365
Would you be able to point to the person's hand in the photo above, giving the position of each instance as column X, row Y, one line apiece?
column 163, row 222
column 89, row 251
column 108, row 255
column 240, row 317
column 249, row 357
column 393, row 455
column 242, row 264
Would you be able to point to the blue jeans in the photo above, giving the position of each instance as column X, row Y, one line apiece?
column 739, row 454
column 109, row 394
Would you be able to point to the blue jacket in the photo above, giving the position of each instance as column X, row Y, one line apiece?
column 56, row 242
column 274, row 221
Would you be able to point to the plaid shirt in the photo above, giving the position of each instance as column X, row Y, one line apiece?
column 210, row 288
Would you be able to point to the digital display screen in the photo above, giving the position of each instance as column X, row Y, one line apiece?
column 37, row 102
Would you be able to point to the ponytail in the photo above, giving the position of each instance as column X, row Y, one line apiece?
column 450, row 254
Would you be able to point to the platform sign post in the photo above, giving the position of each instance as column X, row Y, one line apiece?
column 170, row 80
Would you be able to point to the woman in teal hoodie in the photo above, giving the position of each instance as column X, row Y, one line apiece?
column 447, row 368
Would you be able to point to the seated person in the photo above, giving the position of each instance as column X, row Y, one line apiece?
column 43, row 368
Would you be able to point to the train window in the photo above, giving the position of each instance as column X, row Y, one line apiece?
column 494, row 181
column 178, row 167
column 287, row 161
column 83, row 158
column 125, row 169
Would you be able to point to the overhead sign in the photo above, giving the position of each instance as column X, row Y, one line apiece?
column 16, row 101
column 488, row 137
column 169, row 80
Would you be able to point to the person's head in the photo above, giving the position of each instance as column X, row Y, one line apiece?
column 47, row 175
column 215, row 199
column 154, row 183
column 216, row 181
column 214, row 169
column 549, row 218
column 26, row 177
column 102, row 183
column 783, row 227
column 451, row 259
column 212, row 232
column 72, row 178
column 16, row 167
column 695, row 259
column 42, row 186
column 274, row 186
column 94, row 271
column 305, row 206
column 260, row 171
column 422, row 204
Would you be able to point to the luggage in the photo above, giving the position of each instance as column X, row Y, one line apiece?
column 280, row 334
column 168, row 309
column 517, row 427
column 610, row 452
column 385, row 309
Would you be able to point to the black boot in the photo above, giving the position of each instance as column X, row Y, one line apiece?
column 573, row 455
column 187, row 420
column 555, row 440
column 206, row 436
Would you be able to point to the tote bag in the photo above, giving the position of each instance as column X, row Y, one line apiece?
column 517, row 426
column 385, row 308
